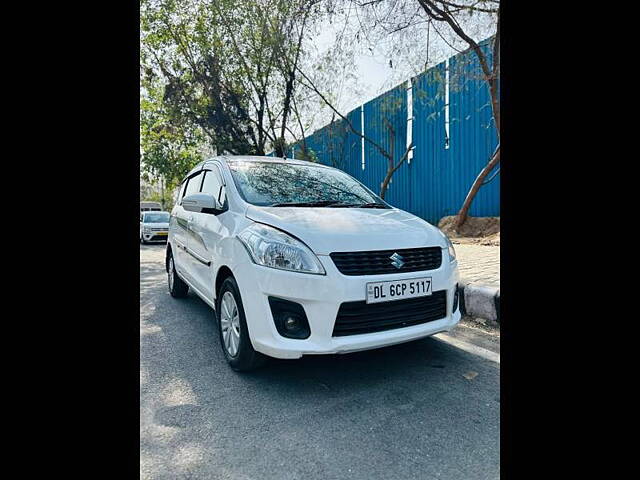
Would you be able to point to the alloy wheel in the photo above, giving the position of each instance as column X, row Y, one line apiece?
column 171, row 273
column 230, row 323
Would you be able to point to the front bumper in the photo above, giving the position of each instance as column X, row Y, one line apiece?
column 321, row 297
column 155, row 236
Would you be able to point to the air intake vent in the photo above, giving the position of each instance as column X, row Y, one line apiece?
column 359, row 317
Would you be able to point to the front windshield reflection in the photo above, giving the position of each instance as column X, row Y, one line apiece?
column 263, row 184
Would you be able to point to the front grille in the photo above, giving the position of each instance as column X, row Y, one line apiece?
column 355, row 318
column 378, row 262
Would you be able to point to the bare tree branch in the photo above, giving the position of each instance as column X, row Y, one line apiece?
column 311, row 86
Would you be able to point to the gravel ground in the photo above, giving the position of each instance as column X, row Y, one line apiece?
column 424, row 409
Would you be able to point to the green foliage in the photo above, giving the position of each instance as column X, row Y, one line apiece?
column 224, row 70
column 168, row 149
column 306, row 154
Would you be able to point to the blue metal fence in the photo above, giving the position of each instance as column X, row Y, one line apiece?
column 473, row 135
column 428, row 171
column 435, row 181
column 385, row 122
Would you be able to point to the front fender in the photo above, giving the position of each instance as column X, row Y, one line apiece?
column 232, row 255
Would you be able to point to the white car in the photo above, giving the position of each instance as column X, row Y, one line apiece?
column 297, row 258
column 154, row 226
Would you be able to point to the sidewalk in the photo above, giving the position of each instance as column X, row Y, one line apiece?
column 479, row 265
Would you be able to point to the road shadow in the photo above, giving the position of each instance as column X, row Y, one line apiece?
column 411, row 406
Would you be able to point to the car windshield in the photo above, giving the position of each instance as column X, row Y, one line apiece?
column 156, row 217
column 289, row 184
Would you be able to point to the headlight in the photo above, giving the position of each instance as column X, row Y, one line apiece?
column 272, row 248
column 452, row 251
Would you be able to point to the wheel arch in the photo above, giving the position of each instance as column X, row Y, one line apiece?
column 223, row 272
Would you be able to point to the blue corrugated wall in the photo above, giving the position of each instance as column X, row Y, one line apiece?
column 430, row 177
column 473, row 135
column 382, row 115
column 436, row 181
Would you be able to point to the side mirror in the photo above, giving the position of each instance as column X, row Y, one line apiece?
column 201, row 203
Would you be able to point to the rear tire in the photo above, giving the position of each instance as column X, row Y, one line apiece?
column 177, row 288
column 237, row 349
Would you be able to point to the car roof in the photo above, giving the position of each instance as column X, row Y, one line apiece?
column 251, row 158
column 256, row 158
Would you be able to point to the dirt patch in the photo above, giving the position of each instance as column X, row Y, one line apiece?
column 487, row 326
column 477, row 230
column 490, row 240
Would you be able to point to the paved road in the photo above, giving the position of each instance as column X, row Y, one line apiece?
column 479, row 264
column 408, row 411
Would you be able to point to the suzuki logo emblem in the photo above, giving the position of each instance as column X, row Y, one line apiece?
column 397, row 260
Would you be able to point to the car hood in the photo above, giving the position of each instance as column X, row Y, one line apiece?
column 328, row 230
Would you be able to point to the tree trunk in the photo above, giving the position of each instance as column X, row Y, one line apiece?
column 387, row 178
column 281, row 144
column 438, row 10
column 492, row 82
column 464, row 211
column 392, row 169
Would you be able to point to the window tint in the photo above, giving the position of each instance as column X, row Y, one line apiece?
column 212, row 184
column 193, row 185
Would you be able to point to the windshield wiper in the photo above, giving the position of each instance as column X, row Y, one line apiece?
column 362, row 205
column 319, row 203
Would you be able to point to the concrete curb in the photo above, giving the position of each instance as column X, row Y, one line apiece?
column 480, row 301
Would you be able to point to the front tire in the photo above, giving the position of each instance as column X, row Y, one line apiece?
column 177, row 288
column 232, row 329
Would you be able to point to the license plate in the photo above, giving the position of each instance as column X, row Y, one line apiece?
column 162, row 233
column 398, row 289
